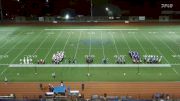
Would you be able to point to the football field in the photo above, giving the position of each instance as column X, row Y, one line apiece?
column 78, row 42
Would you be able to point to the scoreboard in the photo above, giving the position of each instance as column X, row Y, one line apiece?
column 167, row 6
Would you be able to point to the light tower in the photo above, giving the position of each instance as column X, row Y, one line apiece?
column 91, row 8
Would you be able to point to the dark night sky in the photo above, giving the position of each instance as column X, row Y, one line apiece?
column 82, row 7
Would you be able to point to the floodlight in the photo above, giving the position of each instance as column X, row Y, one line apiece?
column 18, row 0
column 47, row 0
column 67, row 16
column 107, row 9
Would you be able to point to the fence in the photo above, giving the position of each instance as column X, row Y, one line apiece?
column 59, row 19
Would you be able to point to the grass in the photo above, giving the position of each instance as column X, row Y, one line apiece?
column 42, row 41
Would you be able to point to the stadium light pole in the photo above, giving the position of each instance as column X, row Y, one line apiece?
column 91, row 8
column 1, row 11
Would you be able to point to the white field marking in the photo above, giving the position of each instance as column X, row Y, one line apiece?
column 7, row 30
column 4, row 64
column 4, row 70
column 8, row 52
column 175, row 64
column 115, row 43
column 156, row 49
column 175, row 71
column 10, row 40
column 176, row 56
column 52, row 46
column 125, row 40
column 90, row 45
column 177, row 36
column 40, row 45
column 172, row 32
column 92, row 65
column 90, row 29
column 77, row 45
column 50, row 33
column 166, row 45
column 67, row 41
column 29, row 33
column 66, row 48
column 131, row 32
column 160, row 74
column 25, row 48
column 173, row 40
column 4, row 37
column 15, row 45
column 102, row 45
column 140, row 44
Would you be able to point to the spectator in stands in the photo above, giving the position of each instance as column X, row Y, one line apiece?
column 105, row 97
column 51, row 88
column 41, row 86
column 167, row 97
column 82, row 86
column 61, row 83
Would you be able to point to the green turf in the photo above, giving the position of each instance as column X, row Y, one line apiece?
column 19, row 41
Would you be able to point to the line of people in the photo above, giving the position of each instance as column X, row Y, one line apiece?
column 152, row 59
column 41, row 61
column 58, row 57
column 26, row 60
column 120, row 59
column 135, row 56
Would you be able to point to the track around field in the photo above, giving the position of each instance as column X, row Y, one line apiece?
column 137, row 90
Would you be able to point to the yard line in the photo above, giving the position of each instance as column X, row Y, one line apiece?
column 174, row 35
column 91, row 29
column 102, row 45
column 156, row 48
column 175, row 64
column 170, row 50
column 40, row 44
column 4, row 38
column 114, row 43
column 77, row 45
column 140, row 44
column 177, row 36
column 125, row 40
column 15, row 45
column 67, row 41
column 4, row 70
column 5, row 43
column 25, row 48
column 175, row 71
column 52, row 46
column 90, row 45
column 19, row 54
column 166, row 45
